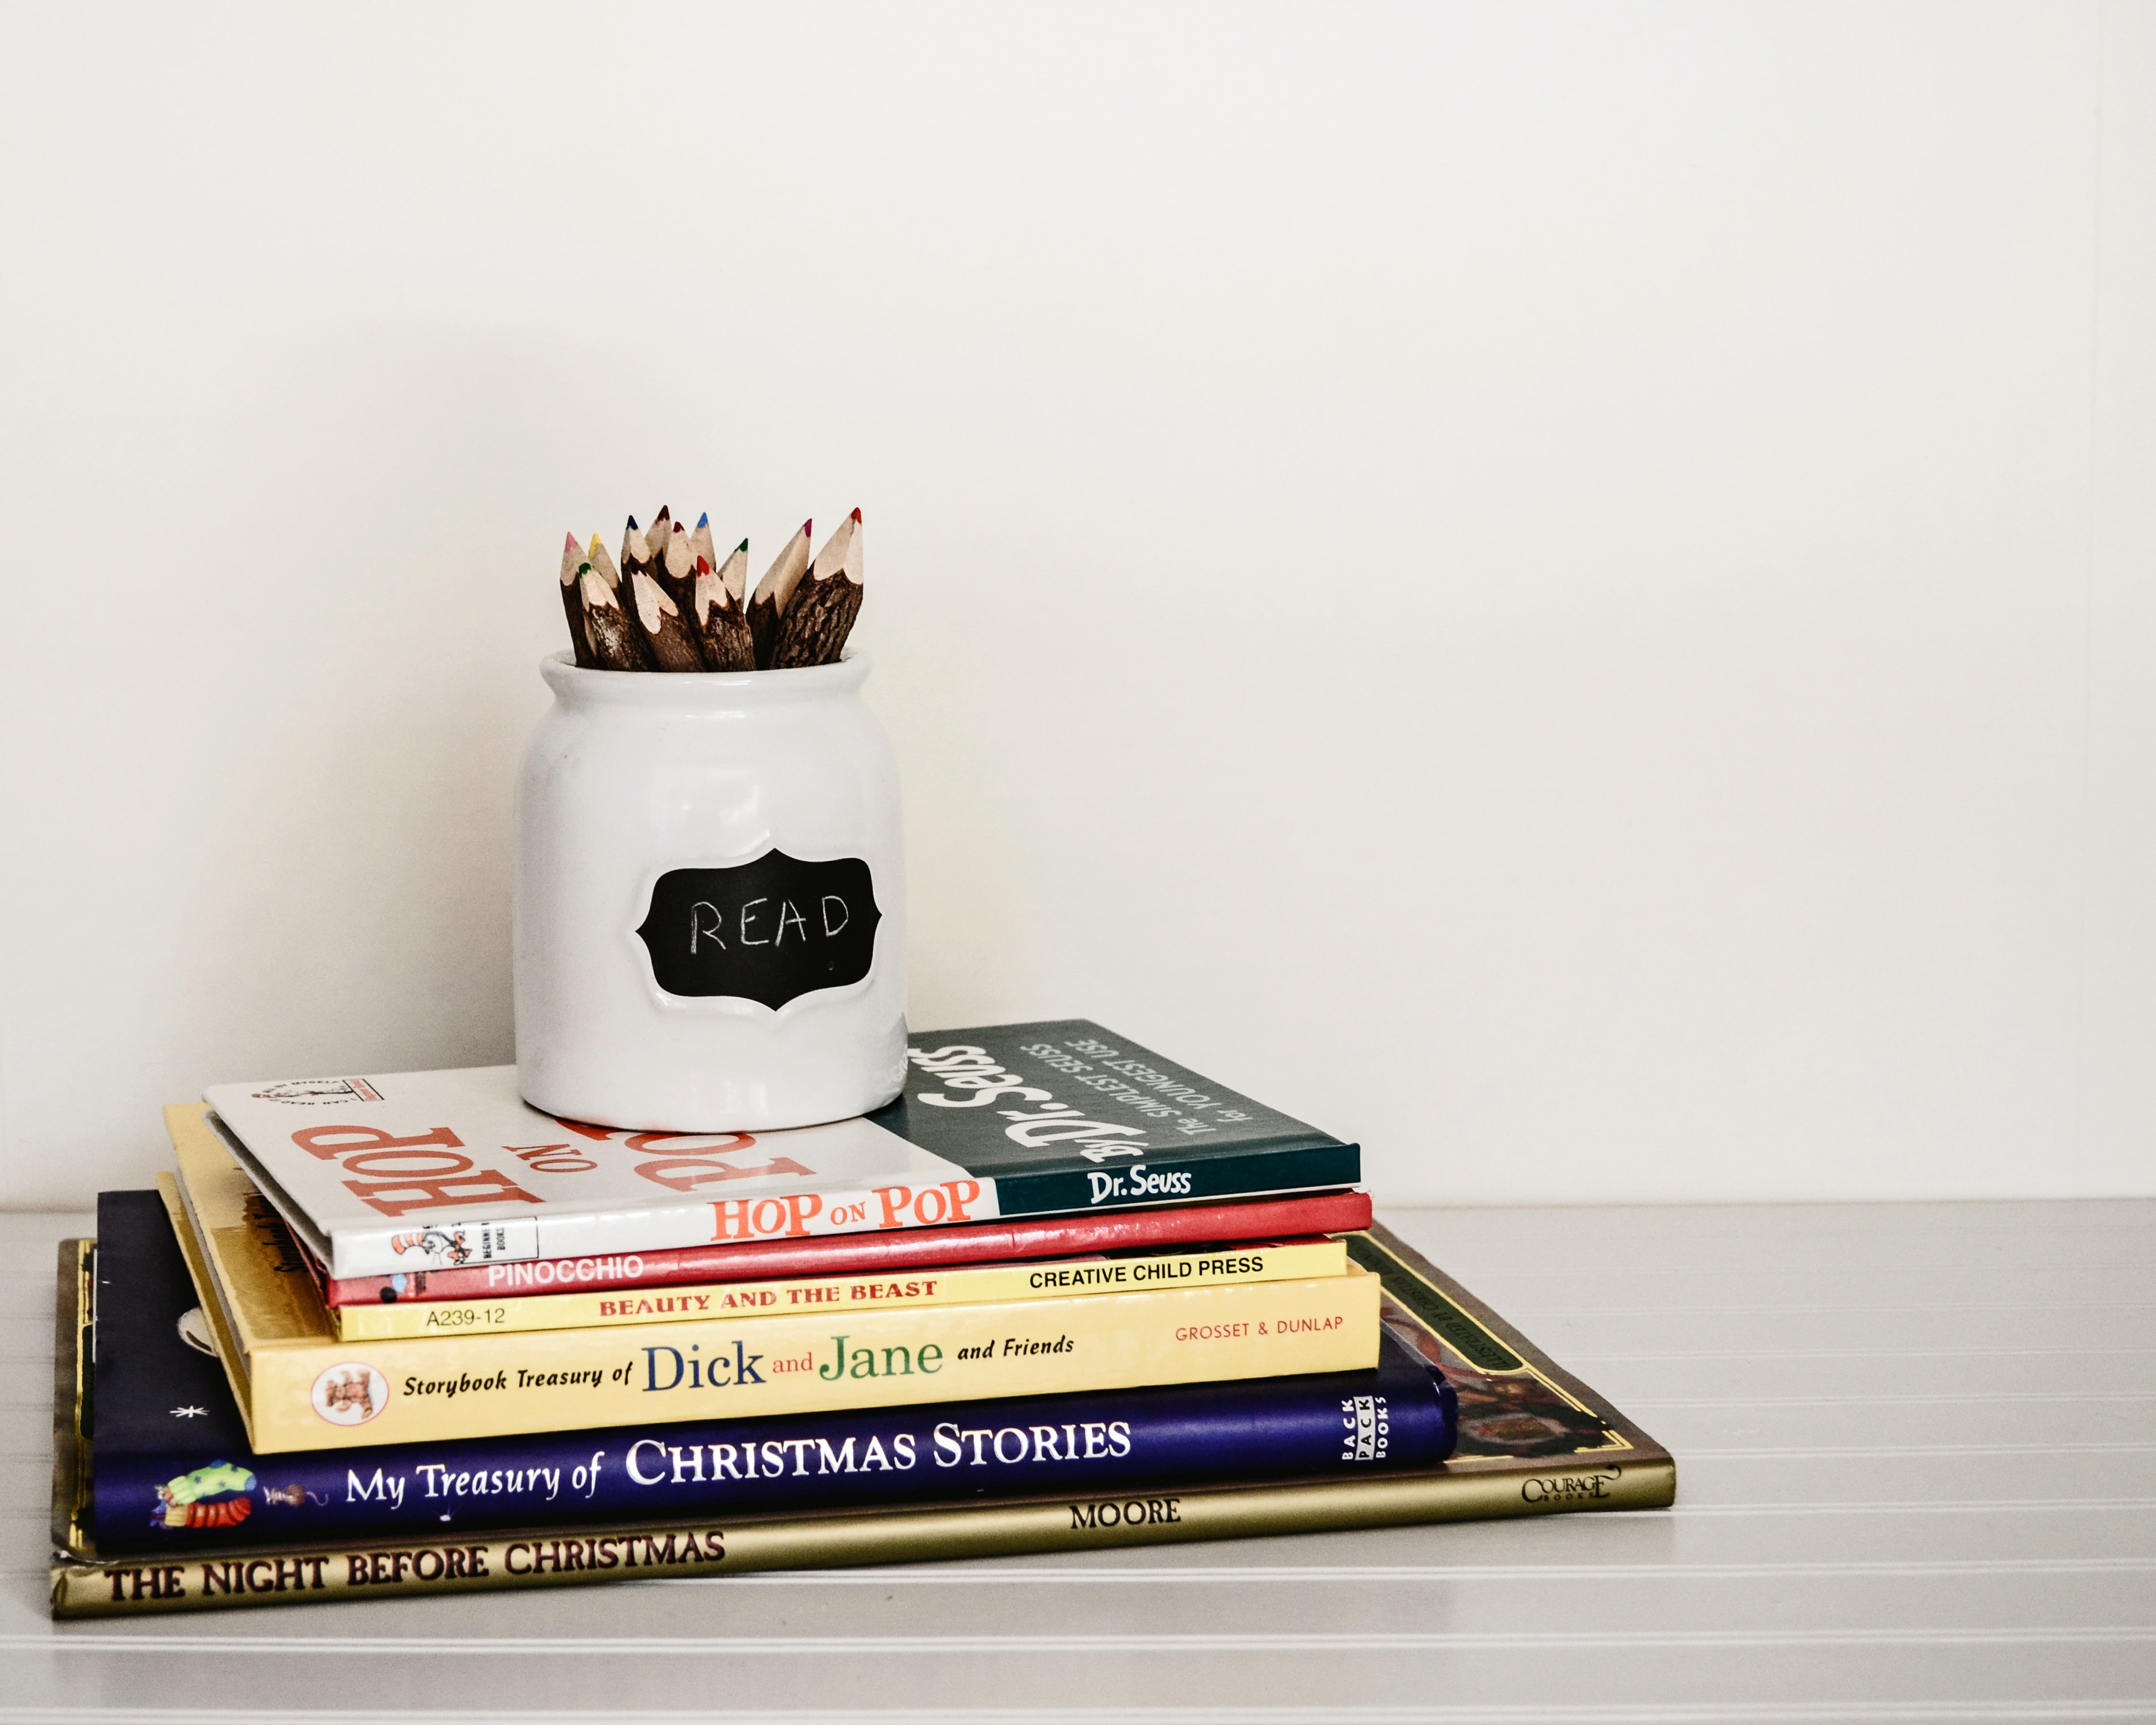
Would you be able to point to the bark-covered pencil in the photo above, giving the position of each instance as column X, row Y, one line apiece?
column 572, row 603
column 721, row 626
column 636, row 557
column 613, row 638
column 603, row 565
column 774, row 592
column 734, row 570
column 700, row 543
column 675, row 568
column 667, row 638
column 821, row 612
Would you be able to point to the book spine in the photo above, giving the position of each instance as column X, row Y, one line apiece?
column 859, row 1254
column 972, row 1285
column 1401, row 1416
column 809, row 1210
column 704, row 1547
column 1165, row 1178
column 339, row 1395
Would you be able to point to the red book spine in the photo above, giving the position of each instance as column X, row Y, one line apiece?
column 853, row 1254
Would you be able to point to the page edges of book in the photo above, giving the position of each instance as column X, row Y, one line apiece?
column 1483, row 1314
column 211, row 1297
column 75, row 1271
column 304, row 1231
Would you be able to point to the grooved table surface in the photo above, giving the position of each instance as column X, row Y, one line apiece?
column 1915, row 1483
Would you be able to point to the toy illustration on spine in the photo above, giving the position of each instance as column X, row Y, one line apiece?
column 350, row 1394
column 217, row 1496
column 213, row 1496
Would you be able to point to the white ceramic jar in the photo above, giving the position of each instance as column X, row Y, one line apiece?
column 709, row 901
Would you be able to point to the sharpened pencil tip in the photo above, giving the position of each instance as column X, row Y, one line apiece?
column 594, row 552
column 632, row 524
column 702, row 567
column 742, row 547
column 569, row 543
column 806, row 525
column 857, row 517
column 679, row 528
column 705, row 519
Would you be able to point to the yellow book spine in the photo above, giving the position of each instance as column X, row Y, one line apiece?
column 964, row 1285
column 331, row 1394
column 398, row 1568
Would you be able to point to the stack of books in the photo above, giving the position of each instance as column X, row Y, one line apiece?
column 382, row 1336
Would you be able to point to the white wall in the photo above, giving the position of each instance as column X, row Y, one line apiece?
column 1570, row 592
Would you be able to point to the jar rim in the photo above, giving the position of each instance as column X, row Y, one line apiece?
column 703, row 691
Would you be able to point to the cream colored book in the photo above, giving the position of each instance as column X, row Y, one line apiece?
column 960, row 1285
column 300, row 1386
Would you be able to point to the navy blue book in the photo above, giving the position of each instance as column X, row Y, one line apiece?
column 171, row 1470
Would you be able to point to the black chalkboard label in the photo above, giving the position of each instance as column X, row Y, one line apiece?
column 771, row 930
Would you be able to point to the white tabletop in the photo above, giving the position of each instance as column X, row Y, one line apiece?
column 1914, row 1483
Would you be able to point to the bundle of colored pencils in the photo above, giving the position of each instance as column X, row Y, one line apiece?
column 671, row 605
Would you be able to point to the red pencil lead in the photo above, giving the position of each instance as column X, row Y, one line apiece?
column 857, row 515
column 806, row 525
column 570, row 543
